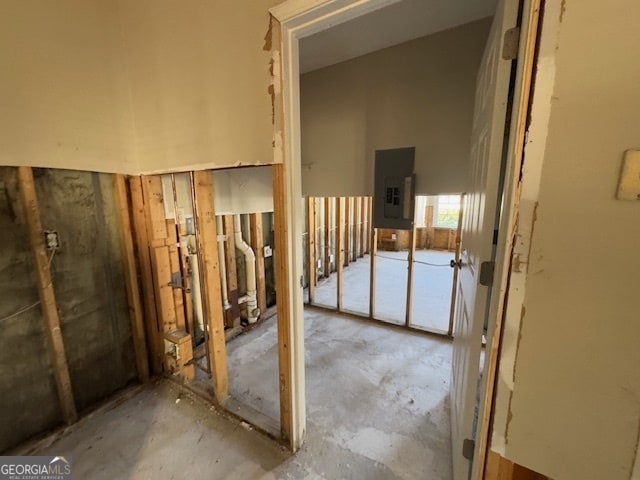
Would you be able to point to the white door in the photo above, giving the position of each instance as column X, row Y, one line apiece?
column 492, row 92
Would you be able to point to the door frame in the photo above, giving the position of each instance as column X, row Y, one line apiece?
column 296, row 19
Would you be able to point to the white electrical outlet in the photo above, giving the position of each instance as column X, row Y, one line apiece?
column 268, row 251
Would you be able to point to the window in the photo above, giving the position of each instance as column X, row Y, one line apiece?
column 447, row 211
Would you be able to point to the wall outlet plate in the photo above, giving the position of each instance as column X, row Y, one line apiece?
column 51, row 239
column 629, row 184
column 268, row 251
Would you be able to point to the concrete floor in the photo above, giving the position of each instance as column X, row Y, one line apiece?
column 377, row 398
column 377, row 408
column 431, row 289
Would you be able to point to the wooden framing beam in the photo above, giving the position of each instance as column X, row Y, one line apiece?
column 346, row 231
column 361, row 216
column 205, row 218
column 233, row 314
column 355, row 229
column 257, row 244
column 176, row 274
column 412, row 254
column 285, row 367
column 155, row 344
column 311, row 254
column 327, row 237
column 131, row 278
column 164, row 292
column 47, row 295
column 372, row 285
column 341, row 219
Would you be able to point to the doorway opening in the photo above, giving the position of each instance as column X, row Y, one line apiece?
column 497, row 133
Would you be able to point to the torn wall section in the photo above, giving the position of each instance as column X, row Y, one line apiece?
column 88, row 280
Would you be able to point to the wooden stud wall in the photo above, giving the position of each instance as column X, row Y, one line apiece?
column 205, row 217
column 257, row 244
column 412, row 254
column 311, row 254
column 233, row 314
column 340, row 247
column 131, row 278
column 47, row 295
column 327, row 237
column 373, row 250
column 285, row 367
column 155, row 343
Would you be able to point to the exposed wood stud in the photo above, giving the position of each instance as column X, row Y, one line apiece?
column 131, row 278
column 154, row 210
column 346, row 229
column 327, row 237
column 154, row 339
column 47, row 295
column 176, row 274
column 311, row 228
column 355, row 228
column 257, row 244
column 363, row 223
column 233, row 314
column 341, row 221
column 165, row 305
column 412, row 254
column 280, row 205
column 159, row 255
column 205, row 216
column 369, row 223
column 372, row 285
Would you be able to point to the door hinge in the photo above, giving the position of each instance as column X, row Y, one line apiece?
column 486, row 273
column 468, row 447
column 510, row 43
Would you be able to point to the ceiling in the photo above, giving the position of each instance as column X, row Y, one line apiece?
column 392, row 25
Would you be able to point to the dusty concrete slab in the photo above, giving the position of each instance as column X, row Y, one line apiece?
column 377, row 399
column 377, row 403
column 150, row 436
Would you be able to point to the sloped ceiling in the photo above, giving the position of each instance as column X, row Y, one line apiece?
column 392, row 25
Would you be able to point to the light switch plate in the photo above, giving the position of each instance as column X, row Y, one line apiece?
column 629, row 185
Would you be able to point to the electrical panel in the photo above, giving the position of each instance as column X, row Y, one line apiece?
column 394, row 189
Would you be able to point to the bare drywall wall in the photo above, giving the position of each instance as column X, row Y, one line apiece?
column 572, row 363
column 199, row 82
column 417, row 94
column 63, row 88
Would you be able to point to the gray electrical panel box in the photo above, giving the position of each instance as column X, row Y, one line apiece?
column 394, row 189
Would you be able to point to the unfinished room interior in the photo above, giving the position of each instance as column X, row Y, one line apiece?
column 321, row 239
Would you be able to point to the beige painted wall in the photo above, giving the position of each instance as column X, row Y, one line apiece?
column 419, row 93
column 199, row 80
column 135, row 86
column 574, row 408
column 63, row 86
